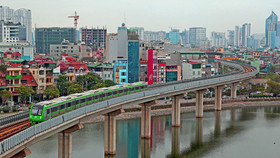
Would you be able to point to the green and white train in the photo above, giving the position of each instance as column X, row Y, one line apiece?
column 45, row 110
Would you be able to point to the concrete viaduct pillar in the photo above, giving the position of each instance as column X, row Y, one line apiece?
column 218, row 98
column 110, row 132
column 146, row 119
column 176, row 110
column 199, row 103
column 233, row 90
column 65, row 141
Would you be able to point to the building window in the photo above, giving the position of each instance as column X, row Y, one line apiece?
column 193, row 72
column 123, row 74
column 198, row 72
column 123, row 80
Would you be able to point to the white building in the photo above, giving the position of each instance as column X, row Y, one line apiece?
column 22, row 16
column 24, row 48
column 191, row 70
column 11, row 32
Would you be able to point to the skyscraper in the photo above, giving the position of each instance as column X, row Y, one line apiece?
column 185, row 37
column 6, row 14
column 218, row 39
column 236, row 36
column 270, row 25
column 230, row 37
column 23, row 16
column 140, row 32
column 174, row 36
column 197, row 35
column 246, row 32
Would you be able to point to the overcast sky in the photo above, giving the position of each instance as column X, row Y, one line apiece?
column 154, row 15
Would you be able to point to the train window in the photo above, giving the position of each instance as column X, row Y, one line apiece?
column 109, row 94
column 68, row 105
column 54, row 109
column 102, row 95
column 83, row 100
column 136, row 88
column 125, row 90
column 120, row 91
column 62, row 106
column 73, row 103
column 115, row 92
column 48, row 111
column 88, row 98
column 77, row 102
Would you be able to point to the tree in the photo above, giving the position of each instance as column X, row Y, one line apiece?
column 273, row 87
column 51, row 92
column 74, row 87
column 62, row 84
column 89, row 80
column 98, row 85
column 109, row 83
column 5, row 95
column 25, row 92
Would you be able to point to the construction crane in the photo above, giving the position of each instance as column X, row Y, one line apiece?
column 76, row 17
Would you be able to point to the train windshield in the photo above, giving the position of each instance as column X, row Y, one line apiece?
column 37, row 110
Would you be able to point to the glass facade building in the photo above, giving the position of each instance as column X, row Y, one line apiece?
column 133, row 61
column 270, row 25
column 54, row 35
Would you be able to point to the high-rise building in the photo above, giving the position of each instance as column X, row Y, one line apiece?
column 184, row 37
column 124, row 47
column 6, row 14
column 133, row 56
column 23, row 16
column 11, row 33
column 154, row 36
column 236, row 36
column 140, row 32
column 53, row 35
column 272, row 39
column 230, row 37
column 270, row 25
column 174, row 36
column 94, row 37
column 246, row 32
column 197, row 35
column 218, row 39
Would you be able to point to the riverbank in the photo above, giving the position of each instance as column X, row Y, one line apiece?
column 134, row 111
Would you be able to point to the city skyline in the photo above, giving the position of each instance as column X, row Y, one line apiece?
column 212, row 15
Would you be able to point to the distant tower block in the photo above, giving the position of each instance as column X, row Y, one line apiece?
column 76, row 17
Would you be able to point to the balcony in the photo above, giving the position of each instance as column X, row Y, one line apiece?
column 13, row 76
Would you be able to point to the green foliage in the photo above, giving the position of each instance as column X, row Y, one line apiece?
column 5, row 95
column 98, row 85
column 25, row 91
column 273, row 77
column 51, row 92
column 62, row 84
column 89, row 80
column 74, row 88
column 109, row 83
column 273, row 87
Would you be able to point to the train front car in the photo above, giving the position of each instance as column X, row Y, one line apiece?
column 36, row 114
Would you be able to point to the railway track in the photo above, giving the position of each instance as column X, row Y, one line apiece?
column 9, row 131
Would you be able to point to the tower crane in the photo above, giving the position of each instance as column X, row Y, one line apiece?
column 76, row 17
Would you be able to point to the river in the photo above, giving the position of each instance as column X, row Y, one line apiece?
column 244, row 132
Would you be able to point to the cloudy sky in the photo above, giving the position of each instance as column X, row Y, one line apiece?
column 154, row 15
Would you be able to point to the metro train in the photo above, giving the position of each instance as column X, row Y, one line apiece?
column 45, row 110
